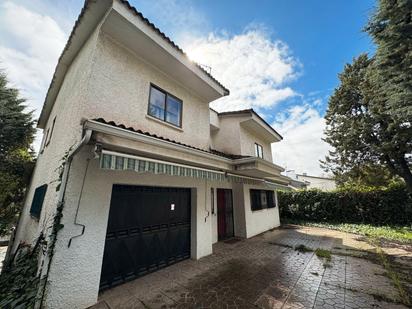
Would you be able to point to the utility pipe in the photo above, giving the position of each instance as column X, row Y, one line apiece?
column 86, row 139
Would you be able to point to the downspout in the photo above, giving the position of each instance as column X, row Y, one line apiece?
column 67, row 164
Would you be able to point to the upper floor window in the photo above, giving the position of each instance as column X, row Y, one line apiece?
column 164, row 106
column 51, row 132
column 47, row 137
column 258, row 150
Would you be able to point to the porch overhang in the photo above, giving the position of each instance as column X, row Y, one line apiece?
column 133, row 151
column 256, row 167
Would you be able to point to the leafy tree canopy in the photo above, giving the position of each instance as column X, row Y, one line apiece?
column 16, row 157
column 369, row 118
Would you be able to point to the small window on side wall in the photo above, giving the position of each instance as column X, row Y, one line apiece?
column 261, row 199
column 164, row 106
column 51, row 132
column 258, row 151
column 37, row 203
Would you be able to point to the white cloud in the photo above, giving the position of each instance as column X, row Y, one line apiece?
column 174, row 16
column 301, row 148
column 253, row 66
column 30, row 45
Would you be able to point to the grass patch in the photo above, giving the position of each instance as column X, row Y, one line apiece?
column 303, row 248
column 391, row 274
column 323, row 253
column 400, row 234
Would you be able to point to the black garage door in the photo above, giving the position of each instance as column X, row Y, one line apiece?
column 148, row 228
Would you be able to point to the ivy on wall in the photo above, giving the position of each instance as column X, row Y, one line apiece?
column 19, row 281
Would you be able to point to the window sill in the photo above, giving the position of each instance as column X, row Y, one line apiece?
column 37, row 219
column 258, row 210
column 164, row 123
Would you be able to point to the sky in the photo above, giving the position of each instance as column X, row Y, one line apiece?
column 281, row 58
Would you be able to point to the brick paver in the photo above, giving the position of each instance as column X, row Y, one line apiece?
column 265, row 272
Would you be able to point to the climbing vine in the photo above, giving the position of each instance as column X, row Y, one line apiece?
column 19, row 280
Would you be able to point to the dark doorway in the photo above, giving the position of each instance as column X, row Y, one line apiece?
column 225, row 225
column 148, row 228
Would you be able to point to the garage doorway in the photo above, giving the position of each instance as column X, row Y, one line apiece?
column 148, row 229
column 225, row 226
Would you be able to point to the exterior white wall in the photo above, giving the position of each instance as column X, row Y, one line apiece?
column 119, row 91
column 67, row 131
column 247, row 144
column 105, row 75
column 259, row 221
column 227, row 138
column 75, row 271
column 235, row 139
column 214, row 119
column 325, row 184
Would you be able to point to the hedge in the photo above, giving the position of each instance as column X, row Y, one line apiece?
column 379, row 207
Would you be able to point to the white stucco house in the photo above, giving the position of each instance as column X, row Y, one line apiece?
column 317, row 182
column 135, row 171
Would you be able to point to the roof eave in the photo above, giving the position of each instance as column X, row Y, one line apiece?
column 91, row 14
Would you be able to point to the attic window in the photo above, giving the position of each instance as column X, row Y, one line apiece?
column 258, row 150
column 164, row 106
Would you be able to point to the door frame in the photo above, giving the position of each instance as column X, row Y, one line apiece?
column 217, row 208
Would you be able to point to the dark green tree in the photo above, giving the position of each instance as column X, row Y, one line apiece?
column 369, row 118
column 16, row 156
column 390, row 85
column 348, row 122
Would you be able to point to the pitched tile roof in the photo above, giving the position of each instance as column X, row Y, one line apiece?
column 211, row 151
column 249, row 111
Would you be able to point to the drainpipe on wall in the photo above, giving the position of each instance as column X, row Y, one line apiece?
column 67, row 164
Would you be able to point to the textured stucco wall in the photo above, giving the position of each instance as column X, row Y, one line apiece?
column 119, row 91
column 214, row 119
column 227, row 138
column 247, row 144
column 75, row 272
column 259, row 221
column 233, row 138
column 67, row 131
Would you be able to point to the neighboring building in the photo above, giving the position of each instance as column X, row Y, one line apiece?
column 296, row 184
column 315, row 182
column 141, row 171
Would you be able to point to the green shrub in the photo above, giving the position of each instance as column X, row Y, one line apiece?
column 379, row 207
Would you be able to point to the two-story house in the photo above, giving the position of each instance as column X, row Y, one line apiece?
column 135, row 171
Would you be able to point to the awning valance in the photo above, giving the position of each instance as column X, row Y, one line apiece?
column 120, row 161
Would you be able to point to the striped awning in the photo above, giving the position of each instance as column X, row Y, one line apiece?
column 124, row 162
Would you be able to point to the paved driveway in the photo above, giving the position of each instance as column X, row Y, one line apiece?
column 267, row 272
